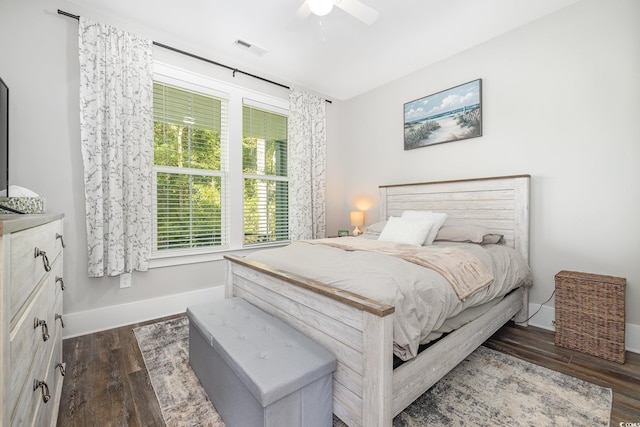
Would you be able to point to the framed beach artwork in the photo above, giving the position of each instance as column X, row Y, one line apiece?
column 446, row 116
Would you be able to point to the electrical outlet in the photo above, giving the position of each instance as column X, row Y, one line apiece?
column 125, row 280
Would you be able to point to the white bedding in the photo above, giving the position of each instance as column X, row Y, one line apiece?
column 422, row 298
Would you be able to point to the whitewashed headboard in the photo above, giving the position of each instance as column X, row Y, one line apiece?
column 500, row 204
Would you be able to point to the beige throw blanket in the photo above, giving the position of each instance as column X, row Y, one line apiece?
column 464, row 271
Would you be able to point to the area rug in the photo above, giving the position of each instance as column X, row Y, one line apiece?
column 488, row 388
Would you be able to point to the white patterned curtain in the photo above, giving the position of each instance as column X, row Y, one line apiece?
column 307, row 145
column 116, row 128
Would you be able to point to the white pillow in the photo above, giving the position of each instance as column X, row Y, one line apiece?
column 398, row 230
column 437, row 218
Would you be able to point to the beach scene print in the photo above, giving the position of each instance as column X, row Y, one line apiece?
column 450, row 115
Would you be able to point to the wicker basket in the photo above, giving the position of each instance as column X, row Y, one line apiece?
column 590, row 314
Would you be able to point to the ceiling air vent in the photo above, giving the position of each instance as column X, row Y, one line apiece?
column 251, row 47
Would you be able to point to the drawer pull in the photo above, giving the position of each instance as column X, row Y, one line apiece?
column 61, row 366
column 59, row 236
column 45, row 260
column 44, row 388
column 45, row 329
column 59, row 316
column 59, row 279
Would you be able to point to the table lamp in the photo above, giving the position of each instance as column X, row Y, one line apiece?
column 357, row 220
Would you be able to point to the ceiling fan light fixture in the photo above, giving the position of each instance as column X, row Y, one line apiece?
column 320, row 7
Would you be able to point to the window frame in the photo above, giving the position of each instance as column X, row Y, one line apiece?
column 233, row 213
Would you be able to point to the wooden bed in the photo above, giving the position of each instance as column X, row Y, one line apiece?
column 367, row 390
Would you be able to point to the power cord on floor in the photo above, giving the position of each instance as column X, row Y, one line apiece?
column 540, row 308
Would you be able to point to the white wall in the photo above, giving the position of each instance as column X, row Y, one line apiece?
column 560, row 102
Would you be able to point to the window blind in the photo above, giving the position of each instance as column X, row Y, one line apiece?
column 265, row 173
column 190, row 157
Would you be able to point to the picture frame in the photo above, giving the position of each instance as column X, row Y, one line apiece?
column 450, row 115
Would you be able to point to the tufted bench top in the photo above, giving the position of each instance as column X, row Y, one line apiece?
column 271, row 358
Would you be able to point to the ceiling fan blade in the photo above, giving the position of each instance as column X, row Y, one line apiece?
column 300, row 17
column 358, row 10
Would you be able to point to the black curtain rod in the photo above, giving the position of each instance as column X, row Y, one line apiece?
column 235, row 70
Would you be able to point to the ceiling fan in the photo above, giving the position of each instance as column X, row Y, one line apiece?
column 355, row 8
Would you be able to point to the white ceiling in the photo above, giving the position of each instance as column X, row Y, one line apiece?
column 342, row 57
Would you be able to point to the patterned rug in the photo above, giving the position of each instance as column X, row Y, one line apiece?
column 487, row 388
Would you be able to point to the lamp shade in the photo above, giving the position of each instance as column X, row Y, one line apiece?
column 320, row 7
column 357, row 218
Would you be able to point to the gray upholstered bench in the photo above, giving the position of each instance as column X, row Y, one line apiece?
column 257, row 370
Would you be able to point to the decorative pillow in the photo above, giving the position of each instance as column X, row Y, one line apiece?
column 376, row 227
column 492, row 239
column 468, row 233
column 398, row 230
column 437, row 218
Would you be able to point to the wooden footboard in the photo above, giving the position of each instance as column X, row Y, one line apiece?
column 359, row 331
column 356, row 329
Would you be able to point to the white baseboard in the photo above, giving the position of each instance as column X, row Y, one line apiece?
column 545, row 317
column 87, row 322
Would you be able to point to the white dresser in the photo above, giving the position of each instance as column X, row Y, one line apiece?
column 31, row 286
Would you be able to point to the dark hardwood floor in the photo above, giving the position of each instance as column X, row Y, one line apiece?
column 106, row 383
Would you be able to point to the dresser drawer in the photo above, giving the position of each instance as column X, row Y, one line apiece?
column 32, row 410
column 27, row 269
column 48, row 412
column 52, row 284
column 27, row 346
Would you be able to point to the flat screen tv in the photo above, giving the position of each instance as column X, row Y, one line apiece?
column 4, row 147
column 4, row 140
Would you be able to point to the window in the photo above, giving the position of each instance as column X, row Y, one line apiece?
column 220, row 167
column 189, row 175
column 264, row 167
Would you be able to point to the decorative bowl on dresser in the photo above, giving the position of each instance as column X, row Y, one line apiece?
column 31, row 285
